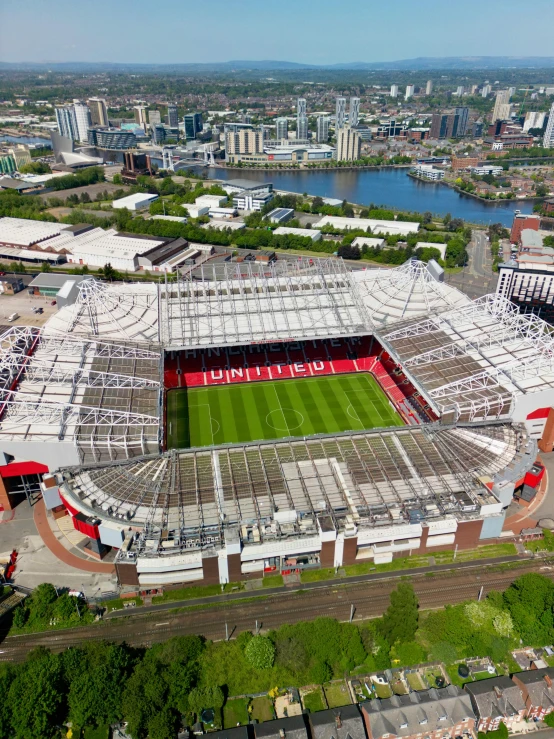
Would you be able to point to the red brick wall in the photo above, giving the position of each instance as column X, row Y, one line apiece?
column 350, row 549
column 467, row 535
column 210, row 569
column 327, row 554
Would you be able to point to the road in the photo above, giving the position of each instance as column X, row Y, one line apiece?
column 477, row 278
column 369, row 600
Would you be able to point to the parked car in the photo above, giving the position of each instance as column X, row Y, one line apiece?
column 53, row 302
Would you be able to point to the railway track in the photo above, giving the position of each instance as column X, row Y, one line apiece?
column 369, row 600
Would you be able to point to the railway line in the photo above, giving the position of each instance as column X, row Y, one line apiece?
column 369, row 600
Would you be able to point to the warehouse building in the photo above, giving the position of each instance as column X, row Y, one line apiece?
column 136, row 201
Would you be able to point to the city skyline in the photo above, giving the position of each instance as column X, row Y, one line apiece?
column 64, row 32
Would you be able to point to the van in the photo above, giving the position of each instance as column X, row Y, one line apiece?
column 13, row 317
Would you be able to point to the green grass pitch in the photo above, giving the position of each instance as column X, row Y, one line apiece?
column 223, row 414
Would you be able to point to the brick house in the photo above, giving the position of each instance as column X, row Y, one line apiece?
column 495, row 700
column 537, row 688
column 431, row 714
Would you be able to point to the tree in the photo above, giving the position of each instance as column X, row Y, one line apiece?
column 208, row 697
column 45, row 267
column 443, row 651
column 7, row 675
column 42, row 599
column 19, row 618
column 291, row 653
column 321, row 672
column 427, row 217
column 95, row 693
column 400, row 621
column 35, row 168
column 549, row 719
column 109, row 273
column 36, row 696
column 260, row 652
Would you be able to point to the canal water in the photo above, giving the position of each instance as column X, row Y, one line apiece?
column 5, row 138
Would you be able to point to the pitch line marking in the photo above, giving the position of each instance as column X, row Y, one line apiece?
column 213, row 433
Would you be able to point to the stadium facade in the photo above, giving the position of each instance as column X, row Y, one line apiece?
column 86, row 395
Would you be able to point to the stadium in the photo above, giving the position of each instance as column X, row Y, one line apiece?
column 245, row 418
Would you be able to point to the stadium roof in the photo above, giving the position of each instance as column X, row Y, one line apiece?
column 472, row 362
column 392, row 295
column 243, row 303
column 110, row 312
column 102, row 398
column 275, row 490
column 240, row 303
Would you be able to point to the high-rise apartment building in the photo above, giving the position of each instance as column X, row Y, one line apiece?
column 21, row 156
column 281, row 129
column 302, row 128
column 349, row 145
column 533, row 119
column 502, row 108
column 486, row 91
column 98, row 111
column 172, row 116
column 410, row 89
column 140, row 116
column 244, row 140
column 67, row 125
column 340, row 113
column 394, row 91
column 158, row 134
column 460, row 91
column 354, row 113
column 82, row 119
column 429, row 87
column 445, row 125
column 301, row 107
column 193, row 125
column 322, row 129
column 548, row 140
column 154, row 118
column 463, row 120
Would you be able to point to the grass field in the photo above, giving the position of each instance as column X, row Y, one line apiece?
column 254, row 411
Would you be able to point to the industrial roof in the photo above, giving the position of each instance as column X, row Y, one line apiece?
column 133, row 199
column 375, row 226
column 49, row 279
column 25, row 232
column 247, row 184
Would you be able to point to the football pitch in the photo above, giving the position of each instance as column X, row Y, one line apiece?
column 224, row 414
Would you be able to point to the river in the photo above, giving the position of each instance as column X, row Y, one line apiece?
column 389, row 187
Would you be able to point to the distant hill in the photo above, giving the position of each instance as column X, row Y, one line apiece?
column 420, row 63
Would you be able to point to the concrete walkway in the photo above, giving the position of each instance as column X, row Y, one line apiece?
column 47, row 535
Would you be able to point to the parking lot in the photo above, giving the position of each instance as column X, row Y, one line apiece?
column 23, row 304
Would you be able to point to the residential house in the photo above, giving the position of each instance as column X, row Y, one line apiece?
column 293, row 727
column 433, row 714
column 495, row 700
column 338, row 723
column 537, row 688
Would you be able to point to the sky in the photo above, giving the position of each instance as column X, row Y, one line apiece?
column 307, row 31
